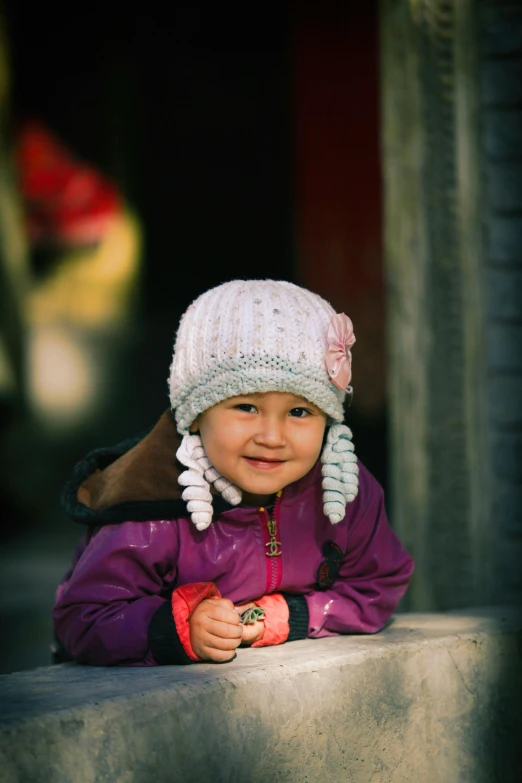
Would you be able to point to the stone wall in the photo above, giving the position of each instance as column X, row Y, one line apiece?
column 430, row 698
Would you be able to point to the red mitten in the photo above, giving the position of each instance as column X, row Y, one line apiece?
column 184, row 600
column 275, row 620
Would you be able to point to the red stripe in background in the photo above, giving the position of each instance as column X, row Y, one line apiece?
column 338, row 175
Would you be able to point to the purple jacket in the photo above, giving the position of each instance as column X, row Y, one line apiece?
column 114, row 606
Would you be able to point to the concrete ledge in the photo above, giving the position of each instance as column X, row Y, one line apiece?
column 430, row 698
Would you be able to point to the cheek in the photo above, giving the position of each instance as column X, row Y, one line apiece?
column 310, row 444
column 217, row 447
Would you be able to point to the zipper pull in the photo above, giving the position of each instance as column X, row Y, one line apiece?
column 274, row 546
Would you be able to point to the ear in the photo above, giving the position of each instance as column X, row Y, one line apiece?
column 194, row 427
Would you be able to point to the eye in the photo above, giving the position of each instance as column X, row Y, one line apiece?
column 246, row 407
column 300, row 413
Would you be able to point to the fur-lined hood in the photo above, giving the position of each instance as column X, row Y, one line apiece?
column 134, row 480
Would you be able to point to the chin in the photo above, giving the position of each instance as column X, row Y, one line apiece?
column 261, row 489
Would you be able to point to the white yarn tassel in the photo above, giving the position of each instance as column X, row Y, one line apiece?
column 340, row 472
column 197, row 490
column 229, row 491
column 196, row 482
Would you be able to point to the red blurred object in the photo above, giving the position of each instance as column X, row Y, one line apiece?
column 66, row 202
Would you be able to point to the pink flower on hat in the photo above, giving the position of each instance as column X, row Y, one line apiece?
column 338, row 357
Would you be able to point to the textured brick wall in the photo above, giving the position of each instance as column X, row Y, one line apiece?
column 500, row 46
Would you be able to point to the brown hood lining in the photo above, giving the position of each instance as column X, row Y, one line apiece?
column 149, row 471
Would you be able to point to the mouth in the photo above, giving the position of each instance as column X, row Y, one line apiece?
column 264, row 463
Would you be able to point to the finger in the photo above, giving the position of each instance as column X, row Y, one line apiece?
column 219, row 643
column 240, row 608
column 223, row 614
column 248, row 635
column 223, row 630
column 226, row 603
column 208, row 642
column 252, row 632
column 218, row 656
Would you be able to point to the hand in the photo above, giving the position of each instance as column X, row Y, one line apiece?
column 253, row 631
column 215, row 630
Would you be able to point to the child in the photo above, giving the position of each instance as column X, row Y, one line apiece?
column 247, row 493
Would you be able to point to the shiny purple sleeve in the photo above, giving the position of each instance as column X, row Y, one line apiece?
column 104, row 608
column 374, row 574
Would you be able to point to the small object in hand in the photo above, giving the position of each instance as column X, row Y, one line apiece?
column 252, row 614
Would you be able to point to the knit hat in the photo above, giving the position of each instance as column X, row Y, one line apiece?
column 247, row 336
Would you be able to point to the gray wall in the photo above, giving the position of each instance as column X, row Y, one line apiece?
column 452, row 135
column 500, row 72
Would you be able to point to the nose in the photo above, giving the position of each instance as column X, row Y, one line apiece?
column 271, row 432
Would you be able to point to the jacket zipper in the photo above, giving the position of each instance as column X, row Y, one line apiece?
column 273, row 551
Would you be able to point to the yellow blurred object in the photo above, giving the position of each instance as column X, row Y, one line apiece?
column 92, row 287
column 75, row 319
column 63, row 377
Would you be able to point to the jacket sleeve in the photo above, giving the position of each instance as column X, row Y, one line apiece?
column 115, row 608
column 374, row 574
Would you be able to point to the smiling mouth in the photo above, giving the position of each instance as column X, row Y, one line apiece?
column 263, row 463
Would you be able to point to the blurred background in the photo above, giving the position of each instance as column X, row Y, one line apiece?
column 147, row 157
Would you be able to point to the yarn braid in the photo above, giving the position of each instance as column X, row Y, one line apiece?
column 340, row 472
column 197, row 480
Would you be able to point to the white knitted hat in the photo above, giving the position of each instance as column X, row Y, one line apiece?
column 250, row 336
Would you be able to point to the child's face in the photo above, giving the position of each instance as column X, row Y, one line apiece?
column 262, row 442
